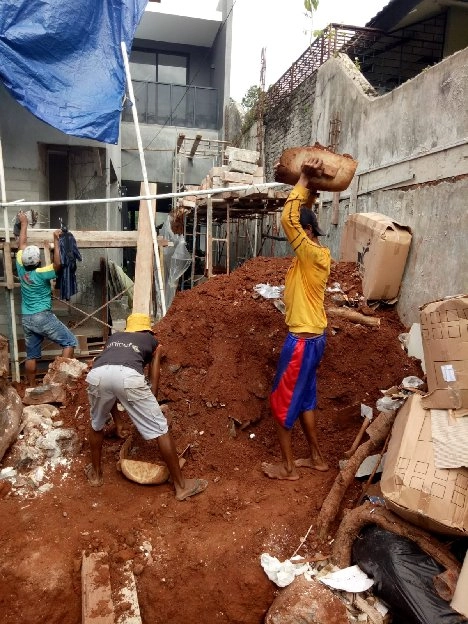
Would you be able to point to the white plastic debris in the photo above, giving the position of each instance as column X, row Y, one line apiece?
column 351, row 579
column 368, row 465
column 388, row 405
column 334, row 288
column 282, row 573
column 412, row 382
column 366, row 411
column 269, row 292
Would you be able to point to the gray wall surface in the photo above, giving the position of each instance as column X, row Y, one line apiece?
column 159, row 143
column 25, row 144
column 411, row 145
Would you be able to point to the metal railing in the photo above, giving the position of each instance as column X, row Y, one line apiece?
column 351, row 40
column 174, row 105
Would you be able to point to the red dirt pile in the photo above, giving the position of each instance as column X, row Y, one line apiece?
column 198, row 561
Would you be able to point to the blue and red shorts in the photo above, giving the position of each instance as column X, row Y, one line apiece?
column 295, row 384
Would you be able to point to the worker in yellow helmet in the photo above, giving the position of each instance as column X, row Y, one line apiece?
column 118, row 375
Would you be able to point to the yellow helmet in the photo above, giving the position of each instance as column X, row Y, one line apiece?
column 138, row 322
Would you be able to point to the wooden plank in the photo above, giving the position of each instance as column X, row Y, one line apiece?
column 92, row 239
column 97, row 605
column 144, row 277
column 47, row 257
column 85, row 239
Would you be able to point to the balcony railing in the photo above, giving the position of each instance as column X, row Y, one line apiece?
column 351, row 40
column 174, row 105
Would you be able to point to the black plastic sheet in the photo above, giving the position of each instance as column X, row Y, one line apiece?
column 403, row 576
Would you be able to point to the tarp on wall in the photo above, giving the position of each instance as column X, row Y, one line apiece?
column 62, row 60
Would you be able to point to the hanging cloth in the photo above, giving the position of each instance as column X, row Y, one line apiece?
column 66, row 276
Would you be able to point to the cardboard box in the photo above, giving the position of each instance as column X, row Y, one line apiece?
column 380, row 246
column 436, row 500
column 444, row 330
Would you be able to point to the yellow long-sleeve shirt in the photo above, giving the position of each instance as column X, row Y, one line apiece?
column 307, row 276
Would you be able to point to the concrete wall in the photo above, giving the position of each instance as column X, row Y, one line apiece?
column 25, row 143
column 411, row 145
column 160, row 143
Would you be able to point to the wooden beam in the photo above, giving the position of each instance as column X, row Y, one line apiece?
column 144, row 261
column 85, row 239
column 180, row 140
column 195, row 145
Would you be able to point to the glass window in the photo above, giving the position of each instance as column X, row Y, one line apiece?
column 172, row 68
column 143, row 66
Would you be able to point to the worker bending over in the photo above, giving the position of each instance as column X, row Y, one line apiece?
column 294, row 394
column 118, row 375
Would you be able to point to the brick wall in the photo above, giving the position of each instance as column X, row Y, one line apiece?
column 289, row 124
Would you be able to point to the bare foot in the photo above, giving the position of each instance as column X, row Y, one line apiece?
column 94, row 479
column 308, row 462
column 278, row 471
column 192, row 487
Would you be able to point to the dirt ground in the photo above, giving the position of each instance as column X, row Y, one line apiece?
column 199, row 560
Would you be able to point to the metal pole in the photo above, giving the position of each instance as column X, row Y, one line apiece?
column 15, row 372
column 20, row 204
column 145, row 178
column 194, row 246
column 255, row 236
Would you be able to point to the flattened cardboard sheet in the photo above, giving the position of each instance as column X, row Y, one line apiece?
column 436, row 500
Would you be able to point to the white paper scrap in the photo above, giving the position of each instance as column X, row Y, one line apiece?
column 448, row 372
column 351, row 579
column 449, row 439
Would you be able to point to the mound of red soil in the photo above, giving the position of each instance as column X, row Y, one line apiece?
column 199, row 561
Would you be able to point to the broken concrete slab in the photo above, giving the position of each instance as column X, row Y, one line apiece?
column 64, row 370
column 11, row 411
column 47, row 393
column 126, row 600
column 96, row 593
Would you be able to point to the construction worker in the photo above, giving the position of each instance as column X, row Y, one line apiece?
column 38, row 320
column 293, row 395
column 118, row 375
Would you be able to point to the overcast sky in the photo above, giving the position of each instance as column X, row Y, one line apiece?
column 279, row 26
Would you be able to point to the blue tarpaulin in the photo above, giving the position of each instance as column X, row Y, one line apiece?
column 62, row 60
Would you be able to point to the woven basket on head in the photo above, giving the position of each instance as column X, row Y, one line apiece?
column 338, row 171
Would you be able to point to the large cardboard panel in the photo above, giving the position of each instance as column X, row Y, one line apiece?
column 380, row 246
column 436, row 500
column 444, row 330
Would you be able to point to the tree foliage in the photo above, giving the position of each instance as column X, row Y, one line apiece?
column 251, row 98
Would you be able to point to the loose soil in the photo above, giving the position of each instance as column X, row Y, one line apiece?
column 199, row 560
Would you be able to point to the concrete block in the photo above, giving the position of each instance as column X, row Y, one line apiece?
column 215, row 171
column 216, row 182
column 235, row 153
column 242, row 167
column 236, row 177
column 96, row 594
